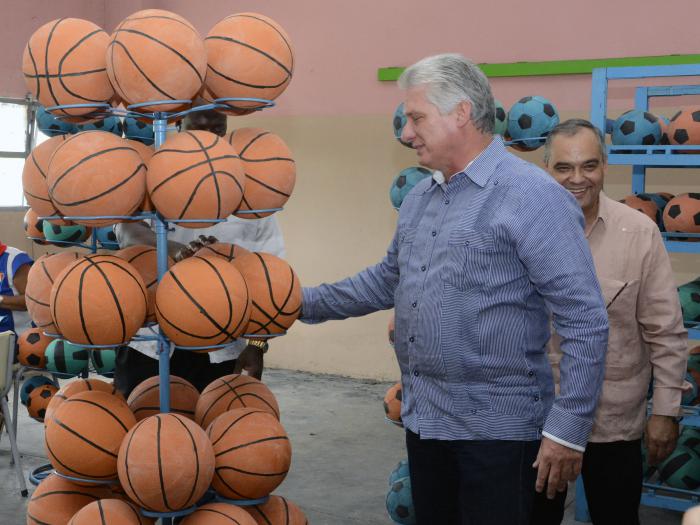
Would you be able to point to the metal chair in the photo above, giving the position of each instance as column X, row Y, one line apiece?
column 7, row 346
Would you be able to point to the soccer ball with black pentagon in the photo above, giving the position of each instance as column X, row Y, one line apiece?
column 32, row 345
column 643, row 204
column 136, row 130
column 682, row 213
column 57, row 234
column 500, row 124
column 112, row 124
column 530, row 120
column 404, row 183
column 39, row 399
column 30, row 384
column 52, row 126
column 689, row 297
column 399, row 502
column 636, row 128
column 684, row 129
column 681, row 469
column 399, row 122
column 66, row 358
column 107, row 238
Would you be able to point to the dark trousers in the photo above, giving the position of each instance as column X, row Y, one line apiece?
column 132, row 367
column 471, row 482
column 612, row 479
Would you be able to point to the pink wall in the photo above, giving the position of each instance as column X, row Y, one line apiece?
column 339, row 46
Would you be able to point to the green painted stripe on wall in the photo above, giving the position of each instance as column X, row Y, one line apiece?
column 559, row 67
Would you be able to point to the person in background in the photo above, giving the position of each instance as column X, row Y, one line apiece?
column 260, row 235
column 484, row 250
column 14, row 268
column 646, row 337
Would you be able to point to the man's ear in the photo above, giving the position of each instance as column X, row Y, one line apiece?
column 463, row 112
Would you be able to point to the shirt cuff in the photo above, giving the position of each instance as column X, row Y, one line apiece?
column 567, row 427
column 666, row 401
column 562, row 442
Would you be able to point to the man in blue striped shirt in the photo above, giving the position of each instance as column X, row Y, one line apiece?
column 483, row 252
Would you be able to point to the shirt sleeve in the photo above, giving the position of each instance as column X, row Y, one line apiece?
column 368, row 291
column 660, row 318
column 269, row 237
column 550, row 242
column 20, row 260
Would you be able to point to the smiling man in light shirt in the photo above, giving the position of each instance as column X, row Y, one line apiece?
column 646, row 335
column 482, row 252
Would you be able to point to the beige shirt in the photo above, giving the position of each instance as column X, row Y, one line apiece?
column 646, row 324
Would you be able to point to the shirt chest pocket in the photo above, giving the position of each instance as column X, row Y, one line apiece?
column 469, row 257
column 623, row 337
column 406, row 238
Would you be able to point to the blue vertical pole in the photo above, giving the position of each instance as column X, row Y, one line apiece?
column 159, row 126
column 641, row 101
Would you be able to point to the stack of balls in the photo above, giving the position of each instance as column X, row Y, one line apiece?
column 161, row 462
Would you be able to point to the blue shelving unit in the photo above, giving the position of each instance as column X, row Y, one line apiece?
column 640, row 158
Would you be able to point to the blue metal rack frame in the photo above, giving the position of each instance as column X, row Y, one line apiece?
column 641, row 158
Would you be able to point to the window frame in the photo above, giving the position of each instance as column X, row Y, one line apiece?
column 29, row 140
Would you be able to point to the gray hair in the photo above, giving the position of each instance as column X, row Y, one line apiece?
column 451, row 79
column 569, row 128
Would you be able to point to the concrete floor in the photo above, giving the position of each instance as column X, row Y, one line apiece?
column 343, row 452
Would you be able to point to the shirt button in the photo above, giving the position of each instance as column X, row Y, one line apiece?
column 466, row 243
column 495, row 183
column 411, row 339
column 447, row 201
column 537, row 398
column 433, row 233
column 414, row 304
column 422, row 268
column 416, row 373
column 531, row 373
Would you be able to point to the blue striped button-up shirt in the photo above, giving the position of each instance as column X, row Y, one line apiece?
column 474, row 270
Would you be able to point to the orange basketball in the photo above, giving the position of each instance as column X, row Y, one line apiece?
column 38, row 401
column 234, row 391
column 144, row 400
column 146, row 153
column 252, row 453
column 225, row 250
column 219, row 514
column 249, row 56
column 99, row 300
column 270, row 170
column 34, row 227
column 74, row 187
column 275, row 293
column 56, row 500
column 277, row 511
column 145, row 260
column 77, row 386
column 682, row 213
column 166, row 463
column 40, row 279
column 64, row 63
column 156, row 55
column 84, row 434
column 36, row 167
column 202, row 301
column 195, row 175
column 392, row 403
column 109, row 512
column 31, row 345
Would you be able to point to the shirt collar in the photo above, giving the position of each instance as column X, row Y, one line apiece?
column 603, row 217
column 479, row 169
